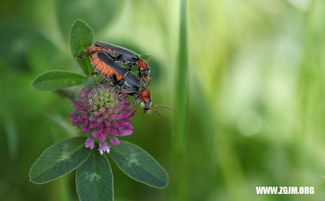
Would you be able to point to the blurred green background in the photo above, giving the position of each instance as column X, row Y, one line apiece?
column 248, row 82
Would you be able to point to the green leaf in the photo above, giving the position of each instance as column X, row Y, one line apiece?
column 139, row 165
column 145, row 57
column 58, row 160
column 81, row 36
column 100, row 14
column 56, row 79
column 94, row 179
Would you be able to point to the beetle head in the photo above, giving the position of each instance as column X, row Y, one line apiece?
column 146, row 101
column 144, row 69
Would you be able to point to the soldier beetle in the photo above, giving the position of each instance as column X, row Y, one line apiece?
column 121, row 55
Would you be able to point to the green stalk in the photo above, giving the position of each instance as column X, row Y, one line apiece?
column 182, row 81
column 179, row 178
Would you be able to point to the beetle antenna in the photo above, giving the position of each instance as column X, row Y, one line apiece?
column 164, row 119
column 82, row 56
column 166, row 107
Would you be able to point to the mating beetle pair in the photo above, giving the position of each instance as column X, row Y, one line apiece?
column 121, row 55
column 107, row 59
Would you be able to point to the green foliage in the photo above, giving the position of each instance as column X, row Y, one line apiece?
column 58, row 160
column 145, row 57
column 139, row 165
column 182, row 106
column 94, row 179
column 81, row 36
column 56, row 79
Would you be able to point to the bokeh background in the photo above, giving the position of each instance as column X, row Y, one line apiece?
column 248, row 82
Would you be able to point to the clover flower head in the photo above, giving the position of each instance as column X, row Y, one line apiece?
column 104, row 114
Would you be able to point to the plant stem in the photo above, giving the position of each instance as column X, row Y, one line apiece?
column 181, row 125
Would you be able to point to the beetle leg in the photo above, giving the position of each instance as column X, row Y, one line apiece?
column 103, row 80
column 120, row 82
column 146, row 81
column 82, row 56
column 94, row 73
column 130, row 66
column 114, row 80
column 133, row 103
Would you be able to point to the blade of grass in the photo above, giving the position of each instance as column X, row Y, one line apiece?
column 180, row 183
column 213, row 58
column 182, row 81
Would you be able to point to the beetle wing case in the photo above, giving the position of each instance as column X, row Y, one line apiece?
column 110, row 62
column 126, row 53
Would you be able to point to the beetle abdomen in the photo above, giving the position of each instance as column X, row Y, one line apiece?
column 102, row 67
